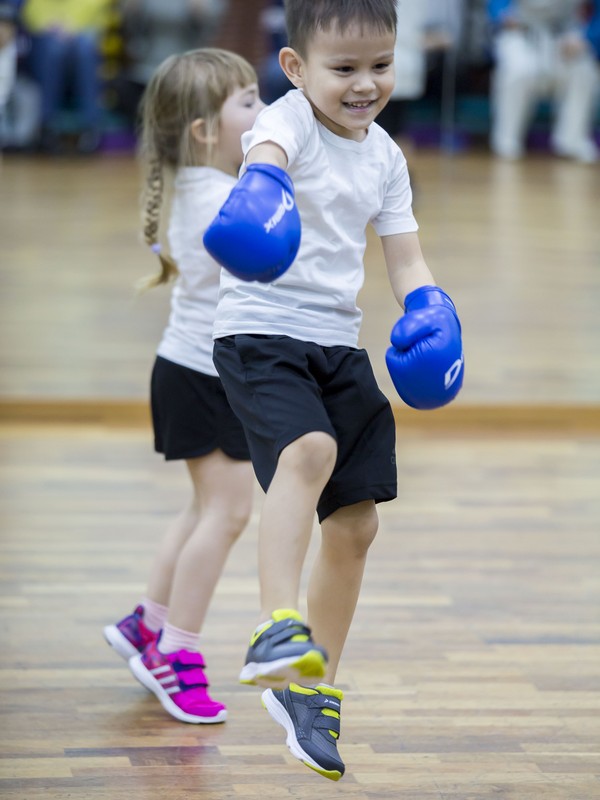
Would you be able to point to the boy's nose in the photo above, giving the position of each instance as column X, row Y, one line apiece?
column 363, row 82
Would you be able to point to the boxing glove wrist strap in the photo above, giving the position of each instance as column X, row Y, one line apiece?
column 278, row 174
column 427, row 296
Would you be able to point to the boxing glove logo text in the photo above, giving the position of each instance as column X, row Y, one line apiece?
column 453, row 373
column 287, row 203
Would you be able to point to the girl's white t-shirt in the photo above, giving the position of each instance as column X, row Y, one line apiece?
column 199, row 193
column 341, row 186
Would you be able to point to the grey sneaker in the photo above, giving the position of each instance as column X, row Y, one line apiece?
column 311, row 718
column 283, row 651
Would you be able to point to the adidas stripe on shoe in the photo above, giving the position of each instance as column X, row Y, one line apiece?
column 179, row 683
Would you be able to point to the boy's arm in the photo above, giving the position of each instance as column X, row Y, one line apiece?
column 405, row 264
column 256, row 234
column 267, row 153
column 426, row 360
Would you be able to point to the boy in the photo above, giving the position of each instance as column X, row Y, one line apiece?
column 321, row 433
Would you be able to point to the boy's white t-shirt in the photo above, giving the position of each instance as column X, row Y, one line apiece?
column 199, row 193
column 341, row 186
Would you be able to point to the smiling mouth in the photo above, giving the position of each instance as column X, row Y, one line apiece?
column 361, row 106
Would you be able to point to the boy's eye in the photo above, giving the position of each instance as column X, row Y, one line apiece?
column 344, row 70
column 382, row 66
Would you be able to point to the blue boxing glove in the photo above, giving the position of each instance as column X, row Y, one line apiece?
column 426, row 360
column 256, row 234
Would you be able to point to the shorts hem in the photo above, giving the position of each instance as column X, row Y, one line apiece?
column 289, row 438
column 201, row 453
column 379, row 494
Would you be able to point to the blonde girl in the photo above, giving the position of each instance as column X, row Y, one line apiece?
column 194, row 111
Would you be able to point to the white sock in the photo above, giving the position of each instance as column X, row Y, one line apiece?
column 173, row 639
column 155, row 615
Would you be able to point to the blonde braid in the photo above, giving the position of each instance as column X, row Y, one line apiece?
column 154, row 198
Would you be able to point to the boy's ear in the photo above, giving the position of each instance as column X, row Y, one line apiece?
column 291, row 63
column 198, row 129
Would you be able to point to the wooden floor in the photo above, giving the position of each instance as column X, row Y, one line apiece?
column 472, row 671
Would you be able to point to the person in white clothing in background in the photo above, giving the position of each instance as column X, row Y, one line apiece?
column 423, row 26
column 541, row 51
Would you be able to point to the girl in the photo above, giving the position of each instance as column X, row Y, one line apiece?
column 194, row 111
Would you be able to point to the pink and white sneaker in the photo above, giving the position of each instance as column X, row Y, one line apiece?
column 130, row 636
column 179, row 683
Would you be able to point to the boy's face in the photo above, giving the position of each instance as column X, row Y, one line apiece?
column 347, row 78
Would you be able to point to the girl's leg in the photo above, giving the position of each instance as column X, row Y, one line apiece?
column 336, row 577
column 135, row 631
column 165, row 560
column 223, row 489
column 173, row 668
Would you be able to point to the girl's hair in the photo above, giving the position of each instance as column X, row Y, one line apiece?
column 304, row 17
column 185, row 87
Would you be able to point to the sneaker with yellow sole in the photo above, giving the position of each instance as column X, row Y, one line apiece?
column 311, row 718
column 282, row 651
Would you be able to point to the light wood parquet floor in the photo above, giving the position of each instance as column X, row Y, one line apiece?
column 472, row 671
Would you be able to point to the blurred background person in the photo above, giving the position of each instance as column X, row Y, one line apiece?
column 64, row 60
column 8, row 54
column 593, row 27
column 272, row 79
column 541, row 51
column 152, row 30
column 425, row 27
column 20, row 103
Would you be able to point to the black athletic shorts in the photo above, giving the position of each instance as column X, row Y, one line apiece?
column 191, row 414
column 282, row 388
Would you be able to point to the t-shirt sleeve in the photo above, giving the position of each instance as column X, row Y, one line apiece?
column 285, row 122
column 396, row 215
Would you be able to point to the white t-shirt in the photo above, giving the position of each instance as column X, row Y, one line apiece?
column 199, row 193
column 341, row 186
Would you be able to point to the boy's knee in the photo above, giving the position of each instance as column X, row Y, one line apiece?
column 312, row 456
column 351, row 530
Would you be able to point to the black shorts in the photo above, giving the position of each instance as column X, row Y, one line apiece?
column 282, row 388
column 191, row 414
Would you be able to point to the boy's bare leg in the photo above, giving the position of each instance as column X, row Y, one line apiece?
column 337, row 576
column 303, row 469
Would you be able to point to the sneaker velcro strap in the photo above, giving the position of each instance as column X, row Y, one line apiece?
column 192, row 677
column 284, row 630
column 188, row 658
column 327, row 722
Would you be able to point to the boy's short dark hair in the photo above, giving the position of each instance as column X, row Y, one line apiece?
column 304, row 17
